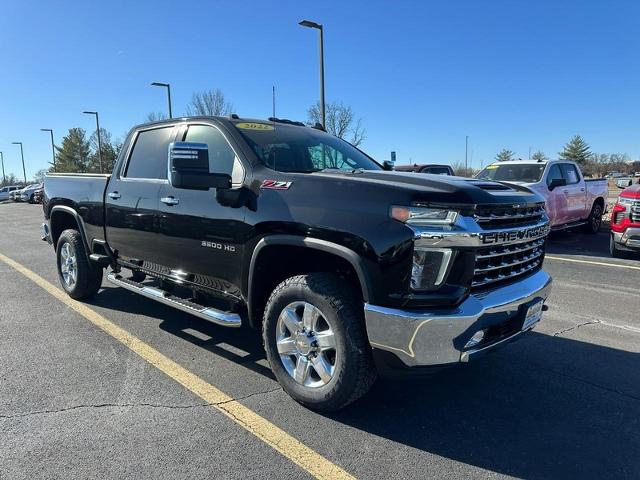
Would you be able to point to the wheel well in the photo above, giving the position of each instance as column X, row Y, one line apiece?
column 61, row 221
column 276, row 263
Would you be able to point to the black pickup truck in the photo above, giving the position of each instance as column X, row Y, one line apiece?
column 350, row 270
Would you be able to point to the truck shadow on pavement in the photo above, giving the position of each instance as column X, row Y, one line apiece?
column 543, row 407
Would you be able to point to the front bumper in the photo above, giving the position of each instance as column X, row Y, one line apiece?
column 441, row 336
column 629, row 239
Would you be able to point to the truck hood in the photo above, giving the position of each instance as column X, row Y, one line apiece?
column 440, row 189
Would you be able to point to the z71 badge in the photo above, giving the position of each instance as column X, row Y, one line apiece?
column 275, row 185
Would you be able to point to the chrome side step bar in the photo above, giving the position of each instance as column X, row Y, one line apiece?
column 226, row 319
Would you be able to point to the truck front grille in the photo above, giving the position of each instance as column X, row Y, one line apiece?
column 505, row 263
column 491, row 217
column 635, row 212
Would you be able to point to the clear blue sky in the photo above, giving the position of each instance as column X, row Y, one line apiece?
column 421, row 74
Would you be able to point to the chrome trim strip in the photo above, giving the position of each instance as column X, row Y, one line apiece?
column 509, row 251
column 467, row 233
column 213, row 315
column 500, row 278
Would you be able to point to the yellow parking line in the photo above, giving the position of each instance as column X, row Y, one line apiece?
column 631, row 267
column 293, row 449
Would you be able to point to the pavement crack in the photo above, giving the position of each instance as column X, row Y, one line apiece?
column 134, row 405
column 102, row 405
column 575, row 327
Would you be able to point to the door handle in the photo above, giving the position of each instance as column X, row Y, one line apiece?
column 582, row 189
column 170, row 200
column 566, row 192
column 114, row 195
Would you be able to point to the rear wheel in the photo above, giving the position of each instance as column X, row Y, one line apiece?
column 79, row 278
column 595, row 219
column 316, row 343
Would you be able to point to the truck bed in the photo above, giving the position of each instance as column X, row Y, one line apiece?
column 83, row 192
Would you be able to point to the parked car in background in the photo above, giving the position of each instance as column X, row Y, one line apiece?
column 5, row 192
column 571, row 200
column 38, row 194
column 434, row 169
column 614, row 175
column 625, row 224
column 15, row 195
column 624, row 182
column 27, row 193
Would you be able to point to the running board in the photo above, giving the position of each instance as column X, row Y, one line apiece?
column 570, row 225
column 226, row 319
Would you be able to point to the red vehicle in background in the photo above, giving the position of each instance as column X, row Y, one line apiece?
column 625, row 224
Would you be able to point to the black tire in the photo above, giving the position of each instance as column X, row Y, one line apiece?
column 138, row 276
column 594, row 222
column 88, row 277
column 615, row 251
column 353, row 369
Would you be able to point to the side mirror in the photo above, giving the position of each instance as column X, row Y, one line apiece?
column 388, row 165
column 557, row 182
column 189, row 167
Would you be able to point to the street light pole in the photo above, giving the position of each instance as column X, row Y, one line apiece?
column 4, row 178
column 168, row 87
column 99, row 140
column 310, row 24
column 24, row 172
column 466, row 151
column 53, row 147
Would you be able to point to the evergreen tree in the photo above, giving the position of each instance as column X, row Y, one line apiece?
column 577, row 150
column 110, row 150
column 73, row 154
column 539, row 156
column 505, row 155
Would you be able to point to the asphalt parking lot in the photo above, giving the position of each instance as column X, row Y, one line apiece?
column 76, row 403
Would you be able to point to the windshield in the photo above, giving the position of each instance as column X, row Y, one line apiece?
column 512, row 172
column 289, row 148
column 436, row 170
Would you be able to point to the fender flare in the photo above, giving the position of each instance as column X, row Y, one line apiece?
column 355, row 260
column 79, row 221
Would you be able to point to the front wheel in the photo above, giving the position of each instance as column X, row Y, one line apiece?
column 615, row 251
column 595, row 219
column 79, row 278
column 316, row 343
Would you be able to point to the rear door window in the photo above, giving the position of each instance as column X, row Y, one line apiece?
column 148, row 159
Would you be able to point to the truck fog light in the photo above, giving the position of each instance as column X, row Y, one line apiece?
column 476, row 339
column 429, row 267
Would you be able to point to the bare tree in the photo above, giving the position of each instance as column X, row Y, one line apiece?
column 211, row 103
column 461, row 170
column 155, row 116
column 340, row 122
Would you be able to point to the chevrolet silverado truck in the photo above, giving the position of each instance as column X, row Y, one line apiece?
column 571, row 200
column 350, row 270
column 625, row 224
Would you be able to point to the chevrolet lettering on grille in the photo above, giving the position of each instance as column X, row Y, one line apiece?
column 490, row 238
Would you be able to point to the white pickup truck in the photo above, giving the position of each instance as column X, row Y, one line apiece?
column 571, row 199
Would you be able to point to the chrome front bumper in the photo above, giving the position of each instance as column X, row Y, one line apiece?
column 630, row 238
column 439, row 337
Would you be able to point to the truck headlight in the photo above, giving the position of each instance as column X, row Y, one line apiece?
column 429, row 267
column 423, row 215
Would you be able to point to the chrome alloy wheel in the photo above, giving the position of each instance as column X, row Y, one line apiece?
column 68, row 265
column 306, row 343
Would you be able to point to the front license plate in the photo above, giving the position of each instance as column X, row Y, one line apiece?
column 534, row 312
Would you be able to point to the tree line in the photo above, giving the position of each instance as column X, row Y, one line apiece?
column 578, row 150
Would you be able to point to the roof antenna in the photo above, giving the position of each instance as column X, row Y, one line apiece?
column 273, row 122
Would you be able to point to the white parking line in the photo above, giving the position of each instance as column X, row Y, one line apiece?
column 630, row 267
